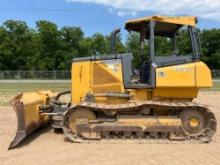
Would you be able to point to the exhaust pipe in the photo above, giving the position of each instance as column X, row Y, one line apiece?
column 113, row 40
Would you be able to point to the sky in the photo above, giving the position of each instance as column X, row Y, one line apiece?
column 105, row 15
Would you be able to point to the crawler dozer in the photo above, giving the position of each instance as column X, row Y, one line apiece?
column 110, row 99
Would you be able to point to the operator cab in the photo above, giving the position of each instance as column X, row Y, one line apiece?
column 152, row 29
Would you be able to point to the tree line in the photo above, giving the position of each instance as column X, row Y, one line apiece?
column 47, row 47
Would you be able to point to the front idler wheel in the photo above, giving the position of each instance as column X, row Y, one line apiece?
column 80, row 114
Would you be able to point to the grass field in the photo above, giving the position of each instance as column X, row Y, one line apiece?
column 22, row 87
column 216, row 86
column 9, row 90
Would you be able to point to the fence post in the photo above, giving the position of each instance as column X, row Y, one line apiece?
column 54, row 74
column 18, row 75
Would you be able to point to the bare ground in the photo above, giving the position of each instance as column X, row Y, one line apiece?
column 45, row 147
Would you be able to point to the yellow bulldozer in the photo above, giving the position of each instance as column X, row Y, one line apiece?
column 109, row 99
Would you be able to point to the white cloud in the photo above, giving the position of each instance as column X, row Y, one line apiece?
column 122, row 13
column 209, row 9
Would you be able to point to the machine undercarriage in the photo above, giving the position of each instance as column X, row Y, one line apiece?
column 181, row 120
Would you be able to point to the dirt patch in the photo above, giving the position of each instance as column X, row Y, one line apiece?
column 45, row 147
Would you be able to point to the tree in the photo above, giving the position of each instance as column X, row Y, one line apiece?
column 50, row 48
column 211, row 47
column 163, row 46
column 48, row 42
column 16, row 46
column 99, row 44
column 184, row 42
column 69, row 46
column 134, row 45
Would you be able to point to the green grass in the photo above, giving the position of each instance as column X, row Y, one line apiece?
column 10, row 90
column 24, row 87
column 216, row 87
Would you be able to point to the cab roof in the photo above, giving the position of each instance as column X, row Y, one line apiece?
column 165, row 26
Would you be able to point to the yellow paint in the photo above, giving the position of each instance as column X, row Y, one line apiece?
column 81, row 80
column 140, row 94
column 149, row 121
column 107, row 76
column 172, row 82
column 175, row 93
column 111, row 100
column 183, row 20
column 31, row 102
column 194, row 122
column 176, row 76
column 203, row 76
column 191, row 75
column 182, row 81
column 96, row 77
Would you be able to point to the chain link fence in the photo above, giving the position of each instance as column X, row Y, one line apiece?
column 216, row 74
column 35, row 75
column 52, row 75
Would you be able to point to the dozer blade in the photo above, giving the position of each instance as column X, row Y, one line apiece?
column 27, row 109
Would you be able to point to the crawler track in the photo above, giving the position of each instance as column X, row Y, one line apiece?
column 95, row 132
